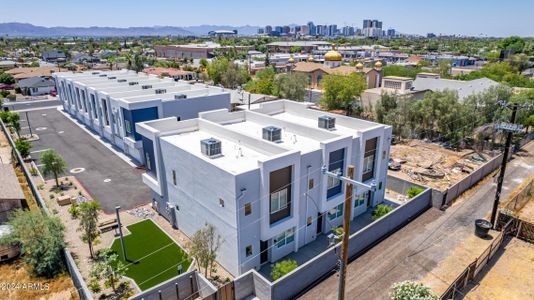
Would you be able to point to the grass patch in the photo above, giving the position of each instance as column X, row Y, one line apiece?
column 153, row 256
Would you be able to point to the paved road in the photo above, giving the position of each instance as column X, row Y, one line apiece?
column 412, row 252
column 81, row 150
column 31, row 105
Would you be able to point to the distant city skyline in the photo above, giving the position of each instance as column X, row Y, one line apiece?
column 460, row 17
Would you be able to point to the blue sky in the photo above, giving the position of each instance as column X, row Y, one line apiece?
column 471, row 17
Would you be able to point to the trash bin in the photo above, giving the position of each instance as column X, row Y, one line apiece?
column 482, row 227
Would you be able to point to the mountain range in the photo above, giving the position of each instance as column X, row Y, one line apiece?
column 28, row 30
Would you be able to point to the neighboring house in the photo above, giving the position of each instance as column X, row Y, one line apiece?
column 256, row 175
column 11, row 194
column 36, row 86
column 176, row 74
column 111, row 103
column 82, row 58
column 463, row 88
column 54, row 56
column 7, row 64
column 401, row 87
column 25, row 73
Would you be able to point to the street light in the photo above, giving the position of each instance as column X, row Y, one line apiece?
column 117, row 208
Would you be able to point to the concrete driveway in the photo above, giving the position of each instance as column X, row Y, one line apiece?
column 108, row 178
column 414, row 252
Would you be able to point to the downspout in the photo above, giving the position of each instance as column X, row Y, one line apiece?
column 307, row 190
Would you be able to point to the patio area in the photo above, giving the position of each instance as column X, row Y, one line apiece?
column 320, row 244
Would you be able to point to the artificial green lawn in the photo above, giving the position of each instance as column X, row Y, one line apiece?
column 153, row 256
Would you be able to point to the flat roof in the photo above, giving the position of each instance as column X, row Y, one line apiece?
column 235, row 158
column 290, row 139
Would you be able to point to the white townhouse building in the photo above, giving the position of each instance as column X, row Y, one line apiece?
column 111, row 103
column 256, row 175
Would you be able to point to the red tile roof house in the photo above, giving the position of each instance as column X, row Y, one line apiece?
column 177, row 74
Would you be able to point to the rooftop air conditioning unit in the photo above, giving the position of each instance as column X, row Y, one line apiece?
column 180, row 96
column 103, row 75
column 211, row 147
column 272, row 134
column 121, row 80
column 133, row 82
column 112, row 77
column 160, row 91
column 146, row 87
column 327, row 122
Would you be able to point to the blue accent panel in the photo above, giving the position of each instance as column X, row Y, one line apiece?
column 136, row 116
column 148, row 150
column 336, row 161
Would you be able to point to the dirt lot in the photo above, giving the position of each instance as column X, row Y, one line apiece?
column 439, row 278
column 60, row 287
column 433, row 165
column 509, row 275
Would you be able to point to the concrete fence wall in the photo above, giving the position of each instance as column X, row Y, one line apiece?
column 189, row 285
column 75, row 274
column 306, row 275
column 456, row 190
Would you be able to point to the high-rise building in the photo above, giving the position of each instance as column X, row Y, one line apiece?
column 261, row 30
column 312, row 29
column 391, row 32
column 286, row 30
column 332, row 30
column 304, row 30
column 372, row 28
column 320, row 29
column 268, row 29
column 347, row 31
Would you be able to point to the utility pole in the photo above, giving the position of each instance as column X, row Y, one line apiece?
column 360, row 187
column 510, row 128
column 346, row 233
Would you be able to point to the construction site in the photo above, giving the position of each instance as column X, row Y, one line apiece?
column 432, row 165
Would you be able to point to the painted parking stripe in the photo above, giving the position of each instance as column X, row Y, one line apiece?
column 42, row 150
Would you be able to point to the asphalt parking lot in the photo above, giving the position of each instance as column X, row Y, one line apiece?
column 108, row 178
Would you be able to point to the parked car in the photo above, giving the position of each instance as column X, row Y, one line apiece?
column 6, row 87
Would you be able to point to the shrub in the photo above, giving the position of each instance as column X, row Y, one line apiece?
column 41, row 240
column 380, row 211
column 51, row 196
column 280, row 269
column 408, row 290
column 74, row 211
column 40, row 186
column 338, row 231
column 414, row 191
column 23, row 147
column 4, row 94
column 94, row 286
column 33, row 171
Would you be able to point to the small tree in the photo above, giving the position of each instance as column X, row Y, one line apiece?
column 53, row 163
column 409, row 290
column 414, row 191
column 41, row 240
column 109, row 268
column 204, row 246
column 341, row 91
column 291, row 86
column 7, row 78
column 23, row 147
column 280, row 269
column 380, row 211
column 88, row 214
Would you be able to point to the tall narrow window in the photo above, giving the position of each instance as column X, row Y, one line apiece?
column 369, row 159
column 174, row 177
column 248, row 250
column 147, row 161
column 335, row 165
column 248, row 208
